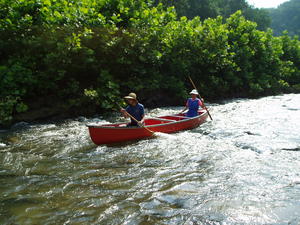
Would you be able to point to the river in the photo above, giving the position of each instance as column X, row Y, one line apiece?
column 241, row 168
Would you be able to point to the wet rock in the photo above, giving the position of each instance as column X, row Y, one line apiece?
column 249, row 133
column 13, row 139
column 95, row 120
column 81, row 119
column 20, row 125
column 68, row 121
column 292, row 149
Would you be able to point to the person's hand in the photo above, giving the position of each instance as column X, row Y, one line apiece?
column 122, row 110
column 140, row 123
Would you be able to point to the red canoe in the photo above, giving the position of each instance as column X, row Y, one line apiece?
column 118, row 132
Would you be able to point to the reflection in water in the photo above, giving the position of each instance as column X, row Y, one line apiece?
column 241, row 168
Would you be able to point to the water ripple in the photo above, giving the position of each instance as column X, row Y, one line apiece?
column 240, row 168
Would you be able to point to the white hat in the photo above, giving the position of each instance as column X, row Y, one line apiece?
column 194, row 92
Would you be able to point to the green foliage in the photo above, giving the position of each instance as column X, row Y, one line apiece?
column 88, row 52
column 286, row 17
column 290, row 63
column 213, row 8
column 8, row 105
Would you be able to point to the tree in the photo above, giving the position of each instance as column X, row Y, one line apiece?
column 286, row 17
column 213, row 8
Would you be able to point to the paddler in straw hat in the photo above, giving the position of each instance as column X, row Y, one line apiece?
column 193, row 104
column 134, row 109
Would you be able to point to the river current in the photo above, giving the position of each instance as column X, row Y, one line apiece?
column 241, row 168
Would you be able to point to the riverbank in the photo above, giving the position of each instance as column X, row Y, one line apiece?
column 48, row 109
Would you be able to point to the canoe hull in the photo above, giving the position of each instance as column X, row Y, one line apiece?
column 114, row 133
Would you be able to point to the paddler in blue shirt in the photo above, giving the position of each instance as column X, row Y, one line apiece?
column 134, row 109
column 193, row 104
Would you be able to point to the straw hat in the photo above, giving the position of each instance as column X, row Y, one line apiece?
column 194, row 92
column 131, row 96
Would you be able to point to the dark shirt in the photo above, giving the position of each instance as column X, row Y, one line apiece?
column 137, row 112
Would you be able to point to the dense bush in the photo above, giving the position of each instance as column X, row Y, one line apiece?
column 88, row 53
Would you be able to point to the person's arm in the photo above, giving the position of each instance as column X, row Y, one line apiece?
column 201, row 102
column 186, row 107
column 141, row 122
column 143, row 116
column 124, row 112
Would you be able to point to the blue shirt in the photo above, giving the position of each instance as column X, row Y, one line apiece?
column 136, row 111
column 193, row 106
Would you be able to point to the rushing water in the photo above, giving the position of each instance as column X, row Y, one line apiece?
column 241, row 168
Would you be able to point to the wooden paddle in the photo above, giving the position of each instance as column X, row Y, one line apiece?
column 200, row 98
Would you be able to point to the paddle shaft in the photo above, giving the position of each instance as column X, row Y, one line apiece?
column 137, row 121
column 201, row 98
